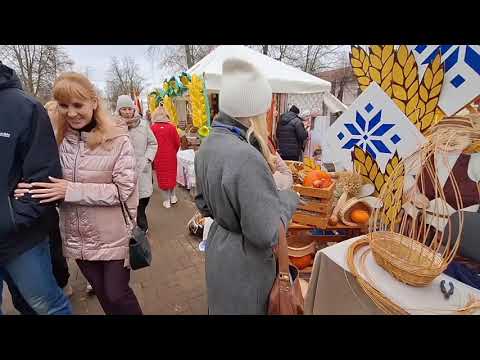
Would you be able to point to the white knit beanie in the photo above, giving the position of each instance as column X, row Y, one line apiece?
column 124, row 101
column 244, row 91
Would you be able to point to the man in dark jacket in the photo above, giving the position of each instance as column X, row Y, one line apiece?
column 291, row 135
column 29, row 153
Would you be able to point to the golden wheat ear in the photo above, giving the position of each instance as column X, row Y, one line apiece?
column 393, row 187
column 429, row 91
column 405, row 83
column 368, row 168
column 360, row 64
column 381, row 65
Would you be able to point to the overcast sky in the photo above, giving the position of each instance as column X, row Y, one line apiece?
column 95, row 59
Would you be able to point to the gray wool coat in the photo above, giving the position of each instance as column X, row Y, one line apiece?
column 145, row 146
column 236, row 188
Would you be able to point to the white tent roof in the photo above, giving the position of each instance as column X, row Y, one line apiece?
column 282, row 77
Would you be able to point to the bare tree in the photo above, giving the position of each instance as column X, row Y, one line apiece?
column 37, row 66
column 123, row 78
column 277, row 52
column 314, row 58
column 179, row 57
column 310, row 58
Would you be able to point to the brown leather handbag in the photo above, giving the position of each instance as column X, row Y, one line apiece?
column 285, row 298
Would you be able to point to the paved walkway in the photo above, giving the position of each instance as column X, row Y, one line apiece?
column 173, row 284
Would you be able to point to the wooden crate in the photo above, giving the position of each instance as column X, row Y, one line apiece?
column 326, row 193
column 319, row 221
column 322, row 206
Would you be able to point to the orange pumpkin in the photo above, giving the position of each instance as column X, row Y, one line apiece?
column 360, row 216
column 316, row 175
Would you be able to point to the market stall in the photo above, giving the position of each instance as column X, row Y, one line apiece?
column 404, row 138
column 290, row 85
column 406, row 166
column 191, row 98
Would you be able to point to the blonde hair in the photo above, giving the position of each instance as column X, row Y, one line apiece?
column 51, row 105
column 51, row 108
column 71, row 85
column 258, row 128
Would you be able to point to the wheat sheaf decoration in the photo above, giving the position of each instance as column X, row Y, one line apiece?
column 376, row 66
column 396, row 71
column 368, row 168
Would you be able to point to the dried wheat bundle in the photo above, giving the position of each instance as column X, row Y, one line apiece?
column 349, row 182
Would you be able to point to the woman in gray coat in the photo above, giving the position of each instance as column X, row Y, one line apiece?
column 145, row 146
column 236, row 188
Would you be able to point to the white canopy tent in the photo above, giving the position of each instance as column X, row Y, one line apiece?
column 283, row 78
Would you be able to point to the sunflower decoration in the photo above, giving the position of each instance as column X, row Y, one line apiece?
column 175, row 86
column 199, row 103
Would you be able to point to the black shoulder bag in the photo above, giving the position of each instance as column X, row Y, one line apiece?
column 140, row 251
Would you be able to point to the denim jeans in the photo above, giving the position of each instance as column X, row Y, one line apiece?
column 32, row 274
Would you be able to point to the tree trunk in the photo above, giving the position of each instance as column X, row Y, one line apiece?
column 188, row 53
column 265, row 49
column 334, row 87
column 340, row 92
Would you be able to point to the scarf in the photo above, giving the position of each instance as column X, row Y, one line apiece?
column 133, row 121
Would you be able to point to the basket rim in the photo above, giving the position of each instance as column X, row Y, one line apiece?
column 302, row 251
column 437, row 266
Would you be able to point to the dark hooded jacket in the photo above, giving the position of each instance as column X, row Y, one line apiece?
column 291, row 136
column 28, row 153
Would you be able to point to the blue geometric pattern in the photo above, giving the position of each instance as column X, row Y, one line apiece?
column 457, row 80
column 472, row 59
column 369, row 134
column 395, row 139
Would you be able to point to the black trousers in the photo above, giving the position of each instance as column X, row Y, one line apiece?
column 59, row 268
column 142, row 221
column 59, row 263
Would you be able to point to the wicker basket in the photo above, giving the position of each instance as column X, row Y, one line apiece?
column 301, row 250
column 409, row 233
column 408, row 260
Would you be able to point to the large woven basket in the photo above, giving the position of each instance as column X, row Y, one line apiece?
column 407, row 260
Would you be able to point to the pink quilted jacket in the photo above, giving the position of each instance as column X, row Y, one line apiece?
column 91, row 220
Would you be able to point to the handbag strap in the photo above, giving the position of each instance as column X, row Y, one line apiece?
column 124, row 207
column 283, row 268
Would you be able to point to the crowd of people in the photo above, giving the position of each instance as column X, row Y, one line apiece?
column 68, row 168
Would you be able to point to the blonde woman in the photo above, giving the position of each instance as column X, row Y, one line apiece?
column 236, row 188
column 98, row 164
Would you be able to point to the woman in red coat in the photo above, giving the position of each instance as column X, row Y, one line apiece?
column 165, row 162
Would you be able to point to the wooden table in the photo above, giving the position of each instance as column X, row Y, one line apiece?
column 298, row 232
column 349, row 231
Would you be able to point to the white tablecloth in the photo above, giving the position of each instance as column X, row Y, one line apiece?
column 415, row 300
column 186, row 168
